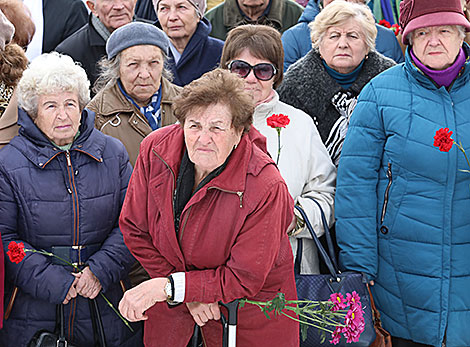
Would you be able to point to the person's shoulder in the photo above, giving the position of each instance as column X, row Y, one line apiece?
column 74, row 42
column 291, row 5
column 377, row 61
column 162, row 135
column 215, row 12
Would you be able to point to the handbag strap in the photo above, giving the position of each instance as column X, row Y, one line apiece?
column 329, row 264
column 375, row 312
column 97, row 323
column 98, row 330
column 329, row 241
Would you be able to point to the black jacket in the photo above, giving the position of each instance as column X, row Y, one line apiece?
column 87, row 47
column 61, row 19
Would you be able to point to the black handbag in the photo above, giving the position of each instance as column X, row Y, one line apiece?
column 44, row 338
column 321, row 286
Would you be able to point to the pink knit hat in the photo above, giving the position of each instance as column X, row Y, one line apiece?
column 415, row 14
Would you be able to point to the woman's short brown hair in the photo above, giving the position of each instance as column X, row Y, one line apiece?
column 13, row 62
column 18, row 14
column 262, row 41
column 217, row 87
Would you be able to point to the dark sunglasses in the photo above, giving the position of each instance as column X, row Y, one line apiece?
column 263, row 71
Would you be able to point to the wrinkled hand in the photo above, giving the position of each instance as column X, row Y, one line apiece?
column 88, row 284
column 203, row 312
column 291, row 227
column 371, row 283
column 72, row 293
column 139, row 299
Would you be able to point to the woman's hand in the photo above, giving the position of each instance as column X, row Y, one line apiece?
column 72, row 293
column 203, row 312
column 88, row 285
column 139, row 299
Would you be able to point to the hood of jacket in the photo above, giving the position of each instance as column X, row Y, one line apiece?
column 311, row 11
column 35, row 146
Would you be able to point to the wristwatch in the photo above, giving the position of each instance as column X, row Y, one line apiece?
column 169, row 289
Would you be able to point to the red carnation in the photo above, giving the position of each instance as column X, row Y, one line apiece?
column 396, row 29
column 384, row 23
column 16, row 252
column 278, row 120
column 442, row 139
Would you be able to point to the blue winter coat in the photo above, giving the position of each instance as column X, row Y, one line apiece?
column 297, row 42
column 402, row 206
column 201, row 54
column 45, row 202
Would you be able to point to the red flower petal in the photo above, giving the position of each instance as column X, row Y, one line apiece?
column 278, row 121
column 16, row 252
column 443, row 139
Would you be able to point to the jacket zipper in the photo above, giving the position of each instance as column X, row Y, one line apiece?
column 240, row 194
column 73, row 192
column 181, row 228
column 387, row 191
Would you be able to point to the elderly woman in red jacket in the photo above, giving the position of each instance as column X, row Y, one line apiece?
column 206, row 213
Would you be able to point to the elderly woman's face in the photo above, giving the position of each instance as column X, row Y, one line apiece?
column 59, row 116
column 260, row 90
column 141, row 72
column 178, row 18
column 343, row 47
column 210, row 137
column 437, row 47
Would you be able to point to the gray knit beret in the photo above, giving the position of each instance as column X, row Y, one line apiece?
column 135, row 34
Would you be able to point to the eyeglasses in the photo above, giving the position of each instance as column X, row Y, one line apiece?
column 263, row 71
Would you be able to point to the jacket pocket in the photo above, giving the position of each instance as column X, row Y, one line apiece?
column 387, row 193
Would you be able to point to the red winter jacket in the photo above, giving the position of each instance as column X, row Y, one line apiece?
column 232, row 241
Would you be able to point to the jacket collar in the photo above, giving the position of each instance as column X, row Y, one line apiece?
column 266, row 109
column 233, row 17
column 414, row 71
column 110, row 100
column 94, row 37
column 40, row 151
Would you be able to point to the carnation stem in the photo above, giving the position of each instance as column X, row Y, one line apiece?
column 43, row 252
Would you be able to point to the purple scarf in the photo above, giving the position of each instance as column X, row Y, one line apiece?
column 442, row 77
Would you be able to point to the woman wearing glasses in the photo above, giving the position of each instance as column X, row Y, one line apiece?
column 255, row 53
column 326, row 82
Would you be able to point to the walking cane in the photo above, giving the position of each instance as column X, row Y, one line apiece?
column 229, row 336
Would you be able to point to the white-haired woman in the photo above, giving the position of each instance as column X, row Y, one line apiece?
column 137, row 94
column 326, row 82
column 192, row 51
column 62, row 184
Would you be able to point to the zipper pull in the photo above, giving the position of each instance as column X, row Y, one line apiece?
column 67, row 155
column 240, row 195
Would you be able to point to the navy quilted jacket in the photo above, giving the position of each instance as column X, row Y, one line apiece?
column 44, row 202
column 402, row 206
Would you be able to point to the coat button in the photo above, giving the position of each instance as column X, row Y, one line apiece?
column 134, row 121
column 384, row 230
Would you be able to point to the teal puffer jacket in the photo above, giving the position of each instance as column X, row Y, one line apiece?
column 403, row 206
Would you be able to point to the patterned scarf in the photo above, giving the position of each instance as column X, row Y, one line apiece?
column 152, row 110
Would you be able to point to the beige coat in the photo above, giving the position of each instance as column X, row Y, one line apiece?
column 8, row 122
column 118, row 117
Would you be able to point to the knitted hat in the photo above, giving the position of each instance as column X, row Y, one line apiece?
column 135, row 34
column 199, row 5
column 415, row 14
column 7, row 30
